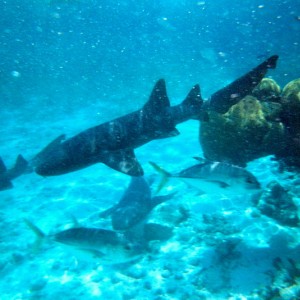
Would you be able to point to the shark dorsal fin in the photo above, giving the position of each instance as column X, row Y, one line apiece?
column 158, row 100
column 194, row 96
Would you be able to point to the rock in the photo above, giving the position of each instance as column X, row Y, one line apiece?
column 276, row 203
column 267, row 90
column 249, row 130
column 290, row 155
column 264, row 123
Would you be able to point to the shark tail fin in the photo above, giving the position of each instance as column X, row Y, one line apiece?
column 7, row 175
column 164, row 176
column 40, row 235
column 5, row 183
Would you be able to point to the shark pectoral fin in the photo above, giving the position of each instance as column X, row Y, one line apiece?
column 123, row 161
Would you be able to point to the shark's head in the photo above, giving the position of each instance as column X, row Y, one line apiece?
column 53, row 159
column 58, row 162
column 55, row 163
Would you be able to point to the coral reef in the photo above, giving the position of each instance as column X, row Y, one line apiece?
column 247, row 131
column 264, row 123
column 285, row 281
column 275, row 202
column 290, row 155
column 267, row 90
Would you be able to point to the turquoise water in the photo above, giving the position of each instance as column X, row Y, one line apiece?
column 70, row 65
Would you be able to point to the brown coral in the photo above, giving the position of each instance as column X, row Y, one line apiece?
column 267, row 90
column 244, row 133
column 291, row 92
column 291, row 118
column 291, row 106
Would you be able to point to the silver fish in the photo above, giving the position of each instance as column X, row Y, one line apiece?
column 111, row 247
column 214, row 178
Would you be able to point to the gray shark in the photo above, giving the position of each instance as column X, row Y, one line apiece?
column 113, row 142
column 134, row 206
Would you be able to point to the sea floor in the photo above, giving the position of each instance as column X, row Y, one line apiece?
column 221, row 247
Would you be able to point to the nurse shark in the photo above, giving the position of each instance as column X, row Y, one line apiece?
column 113, row 142
column 134, row 206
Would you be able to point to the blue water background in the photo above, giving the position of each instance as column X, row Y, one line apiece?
column 78, row 52
column 68, row 65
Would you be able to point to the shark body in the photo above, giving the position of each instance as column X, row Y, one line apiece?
column 134, row 206
column 113, row 142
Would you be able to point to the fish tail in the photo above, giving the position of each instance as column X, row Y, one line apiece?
column 164, row 175
column 5, row 183
column 40, row 235
column 6, row 175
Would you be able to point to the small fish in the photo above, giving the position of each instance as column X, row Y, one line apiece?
column 111, row 247
column 134, row 206
column 214, row 178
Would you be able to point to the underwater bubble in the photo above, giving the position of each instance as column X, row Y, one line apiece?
column 15, row 74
